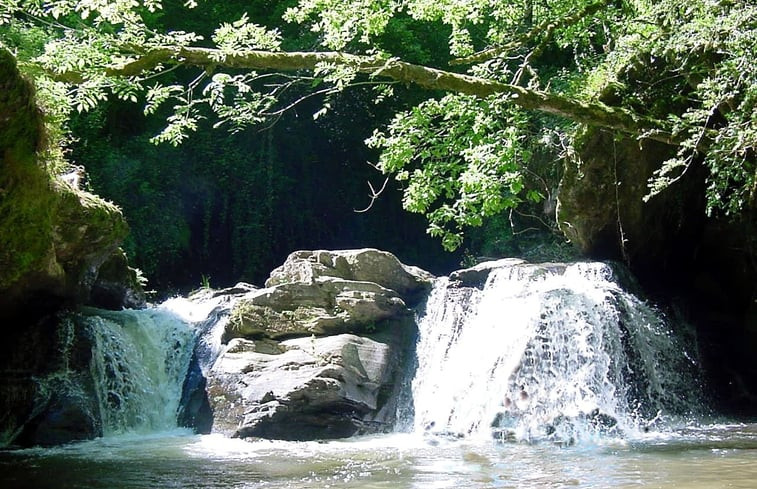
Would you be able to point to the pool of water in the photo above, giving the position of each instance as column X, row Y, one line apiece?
column 713, row 456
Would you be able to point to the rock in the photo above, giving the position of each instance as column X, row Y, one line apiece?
column 324, row 306
column 70, row 415
column 305, row 388
column 476, row 275
column 117, row 285
column 53, row 237
column 194, row 407
column 601, row 196
column 47, row 395
column 280, row 377
column 363, row 265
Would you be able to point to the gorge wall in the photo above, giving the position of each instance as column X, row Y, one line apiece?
column 58, row 246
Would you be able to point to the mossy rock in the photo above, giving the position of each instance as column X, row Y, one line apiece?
column 601, row 206
column 53, row 237
column 118, row 285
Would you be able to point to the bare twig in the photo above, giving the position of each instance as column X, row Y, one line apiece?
column 374, row 194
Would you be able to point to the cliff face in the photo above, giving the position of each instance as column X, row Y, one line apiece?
column 602, row 211
column 53, row 236
column 58, row 246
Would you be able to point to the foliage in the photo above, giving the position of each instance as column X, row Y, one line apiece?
column 232, row 206
column 462, row 159
column 677, row 71
column 717, row 42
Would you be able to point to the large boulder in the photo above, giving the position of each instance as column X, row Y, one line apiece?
column 364, row 265
column 320, row 352
column 54, row 240
column 306, row 388
column 324, row 306
column 117, row 285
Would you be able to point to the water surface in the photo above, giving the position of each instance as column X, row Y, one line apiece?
column 715, row 456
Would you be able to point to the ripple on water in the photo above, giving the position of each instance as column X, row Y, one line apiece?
column 709, row 456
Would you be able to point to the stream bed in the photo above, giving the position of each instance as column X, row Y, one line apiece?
column 545, row 376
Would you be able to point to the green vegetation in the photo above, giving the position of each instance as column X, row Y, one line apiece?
column 480, row 100
column 22, row 248
column 50, row 231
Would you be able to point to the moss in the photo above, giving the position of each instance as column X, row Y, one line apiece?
column 26, row 202
column 52, row 236
column 21, row 122
column 26, row 213
column 85, row 223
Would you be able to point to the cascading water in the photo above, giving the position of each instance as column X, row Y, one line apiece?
column 209, row 313
column 546, row 352
column 540, row 352
column 139, row 362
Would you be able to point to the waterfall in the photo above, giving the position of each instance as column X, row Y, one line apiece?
column 546, row 352
column 139, row 362
column 209, row 313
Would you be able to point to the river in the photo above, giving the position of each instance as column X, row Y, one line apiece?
column 708, row 457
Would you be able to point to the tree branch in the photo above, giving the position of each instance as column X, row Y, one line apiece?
column 590, row 113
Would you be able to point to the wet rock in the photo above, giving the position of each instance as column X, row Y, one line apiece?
column 70, row 415
column 476, row 275
column 46, row 392
column 320, row 351
column 194, row 406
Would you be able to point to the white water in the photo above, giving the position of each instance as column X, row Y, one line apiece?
column 209, row 314
column 139, row 361
column 555, row 352
column 546, row 352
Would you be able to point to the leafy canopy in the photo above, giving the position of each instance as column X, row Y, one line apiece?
column 678, row 71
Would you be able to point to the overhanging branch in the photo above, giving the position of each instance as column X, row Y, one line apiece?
column 590, row 113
